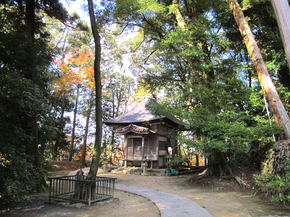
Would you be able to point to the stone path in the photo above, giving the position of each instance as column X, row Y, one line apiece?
column 169, row 204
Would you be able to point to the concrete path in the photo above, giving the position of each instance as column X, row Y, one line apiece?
column 169, row 204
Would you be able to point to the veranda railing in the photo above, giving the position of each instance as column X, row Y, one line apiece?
column 86, row 191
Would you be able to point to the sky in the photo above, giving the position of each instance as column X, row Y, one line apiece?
column 76, row 6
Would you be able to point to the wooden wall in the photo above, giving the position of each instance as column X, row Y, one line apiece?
column 151, row 147
column 155, row 145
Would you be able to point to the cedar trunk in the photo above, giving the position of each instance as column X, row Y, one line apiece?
column 31, row 121
column 98, row 88
column 282, row 12
column 275, row 104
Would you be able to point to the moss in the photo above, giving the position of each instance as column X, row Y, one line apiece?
column 276, row 160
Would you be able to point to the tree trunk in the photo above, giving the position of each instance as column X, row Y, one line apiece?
column 60, row 126
column 84, row 149
column 213, row 163
column 119, row 97
column 29, row 21
column 218, row 165
column 31, row 122
column 110, row 154
column 111, row 148
column 72, row 146
column 275, row 104
column 282, row 12
column 98, row 88
column 179, row 18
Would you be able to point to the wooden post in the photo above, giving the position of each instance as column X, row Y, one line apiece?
column 142, row 151
column 126, row 151
column 50, row 185
column 90, row 193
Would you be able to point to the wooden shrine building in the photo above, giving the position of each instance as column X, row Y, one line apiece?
column 146, row 136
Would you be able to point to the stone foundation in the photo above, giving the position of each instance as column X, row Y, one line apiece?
column 276, row 160
column 138, row 171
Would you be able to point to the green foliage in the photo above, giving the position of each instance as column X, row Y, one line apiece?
column 151, row 6
column 177, row 160
column 126, row 10
column 228, row 131
column 24, row 97
column 251, row 2
column 19, row 178
column 284, row 93
column 275, row 186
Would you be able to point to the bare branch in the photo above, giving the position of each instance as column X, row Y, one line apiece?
column 147, row 58
column 127, row 24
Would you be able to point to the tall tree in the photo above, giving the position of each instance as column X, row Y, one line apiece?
column 275, row 104
column 31, row 21
column 51, row 8
column 98, row 89
column 24, row 69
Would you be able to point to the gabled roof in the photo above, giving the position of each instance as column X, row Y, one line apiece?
column 140, row 114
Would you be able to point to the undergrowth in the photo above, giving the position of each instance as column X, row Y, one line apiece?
column 275, row 186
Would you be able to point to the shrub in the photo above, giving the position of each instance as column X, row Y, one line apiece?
column 18, row 179
column 276, row 186
column 177, row 160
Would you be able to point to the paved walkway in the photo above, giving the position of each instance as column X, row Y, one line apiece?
column 169, row 204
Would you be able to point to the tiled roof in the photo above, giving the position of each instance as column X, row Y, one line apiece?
column 140, row 114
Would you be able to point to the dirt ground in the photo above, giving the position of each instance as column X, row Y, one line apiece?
column 125, row 205
column 220, row 197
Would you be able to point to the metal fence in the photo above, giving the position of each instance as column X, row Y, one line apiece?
column 86, row 191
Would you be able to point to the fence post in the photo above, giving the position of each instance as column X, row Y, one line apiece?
column 50, row 190
column 90, row 193
column 114, row 188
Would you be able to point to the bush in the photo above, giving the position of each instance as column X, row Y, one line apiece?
column 18, row 179
column 177, row 160
column 276, row 186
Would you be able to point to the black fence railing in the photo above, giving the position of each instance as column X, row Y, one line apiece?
column 85, row 191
